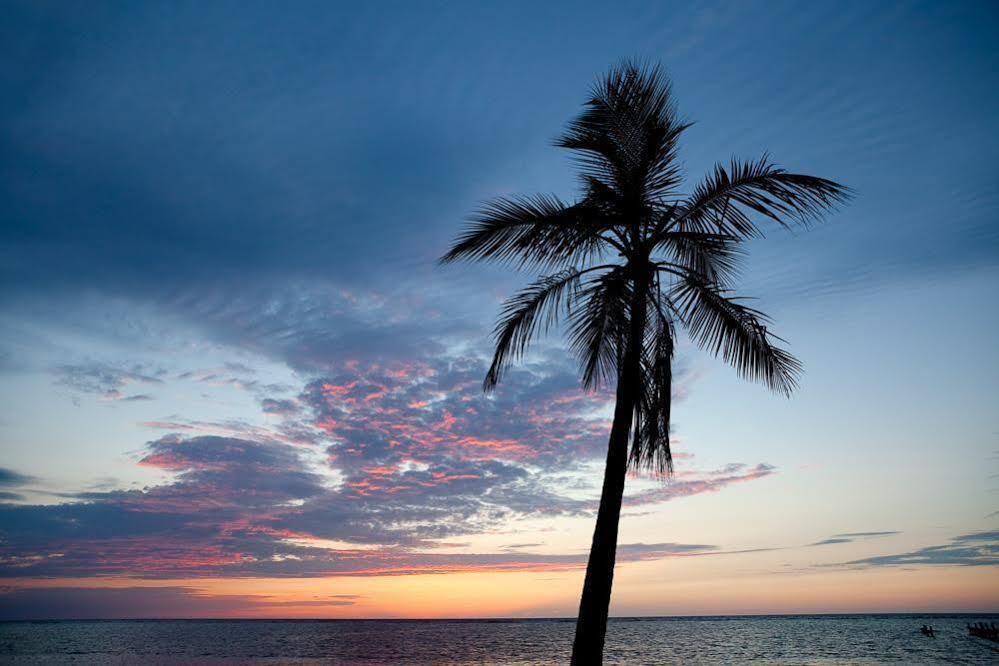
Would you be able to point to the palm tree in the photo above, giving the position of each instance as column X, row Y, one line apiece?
column 626, row 263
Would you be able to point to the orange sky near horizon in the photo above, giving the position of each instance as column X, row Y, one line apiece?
column 646, row 588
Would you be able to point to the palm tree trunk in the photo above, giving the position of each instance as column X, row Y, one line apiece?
column 591, row 624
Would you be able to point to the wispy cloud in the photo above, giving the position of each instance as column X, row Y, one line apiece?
column 9, row 479
column 280, row 407
column 700, row 482
column 108, row 381
column 850, row 537
column 974, row 549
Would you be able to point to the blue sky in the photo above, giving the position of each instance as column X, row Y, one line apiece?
column 219, row 226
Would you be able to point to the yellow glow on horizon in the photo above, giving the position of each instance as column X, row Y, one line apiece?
column 640, row 589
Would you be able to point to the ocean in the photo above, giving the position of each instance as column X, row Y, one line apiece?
column 797, row 639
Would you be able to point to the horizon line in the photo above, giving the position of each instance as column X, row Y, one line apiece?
column 626, row 618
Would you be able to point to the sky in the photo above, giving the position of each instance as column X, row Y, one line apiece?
column 234, row 382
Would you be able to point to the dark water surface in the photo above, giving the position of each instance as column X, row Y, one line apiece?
column 799, row 639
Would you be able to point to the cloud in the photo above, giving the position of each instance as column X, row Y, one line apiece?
column 974, row 549
column 252, row 165
column 395, row 457
column 289, row 432
column 850, row 537
column 73, row 603
column 106, row 380
column 22, row 602
column 316, row 325
column 391, row 413
column 280, row 407
column 9, row 477
column 255, row 164
column 708, row 482
column 386, row 451
column 236, row 375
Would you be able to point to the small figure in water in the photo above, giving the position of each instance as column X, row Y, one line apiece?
column 927, row 631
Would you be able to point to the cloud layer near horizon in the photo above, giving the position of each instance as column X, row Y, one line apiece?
column 69, row 603
column 366, row 472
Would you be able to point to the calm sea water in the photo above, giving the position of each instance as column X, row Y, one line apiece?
column 803, row 639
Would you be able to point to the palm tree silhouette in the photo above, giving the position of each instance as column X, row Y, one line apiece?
column 626, row 263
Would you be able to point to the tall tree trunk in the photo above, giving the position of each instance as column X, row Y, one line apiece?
column 591, row 624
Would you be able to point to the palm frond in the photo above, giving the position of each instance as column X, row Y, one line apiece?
column 650, row 448
column 627, row 135
column 724, row 201
column 598, row 324
column 530, row 311
column 714, row 257
column 737, row 333
column 539, row 230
